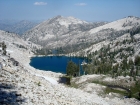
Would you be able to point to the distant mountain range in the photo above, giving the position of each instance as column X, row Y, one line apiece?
column 18, row 27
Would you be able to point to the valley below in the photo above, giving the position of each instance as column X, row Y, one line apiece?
column 112, row 67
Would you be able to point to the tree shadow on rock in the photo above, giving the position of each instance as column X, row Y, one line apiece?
column 8, row 95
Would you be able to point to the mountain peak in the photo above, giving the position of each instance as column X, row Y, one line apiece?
column 65, row 21
column 58, row 16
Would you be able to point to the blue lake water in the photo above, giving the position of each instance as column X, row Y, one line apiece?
column 54, row 63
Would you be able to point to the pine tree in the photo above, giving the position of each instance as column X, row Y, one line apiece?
column 137, row 60
column 72, row 69
column 4, row 48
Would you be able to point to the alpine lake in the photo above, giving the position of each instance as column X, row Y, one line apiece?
column 56, row 64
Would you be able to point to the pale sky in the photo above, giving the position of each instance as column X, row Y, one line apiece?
column 89, row 10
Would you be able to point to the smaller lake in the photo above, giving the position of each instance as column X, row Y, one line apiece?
column 54, row 63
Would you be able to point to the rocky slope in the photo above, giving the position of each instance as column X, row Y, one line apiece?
column 70, row 32
column 59, row 30
column 15, row 41
column 115, row 44
column 19, row 86
column 24, row 85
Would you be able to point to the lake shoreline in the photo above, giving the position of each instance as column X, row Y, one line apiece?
column 58, row 65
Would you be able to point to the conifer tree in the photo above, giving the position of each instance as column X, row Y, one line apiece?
column 72, row 69
column 137, row 61
column 4, row 48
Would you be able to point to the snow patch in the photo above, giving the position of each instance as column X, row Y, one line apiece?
column 54, row 82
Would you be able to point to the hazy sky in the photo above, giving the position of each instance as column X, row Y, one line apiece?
column 89, row 10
